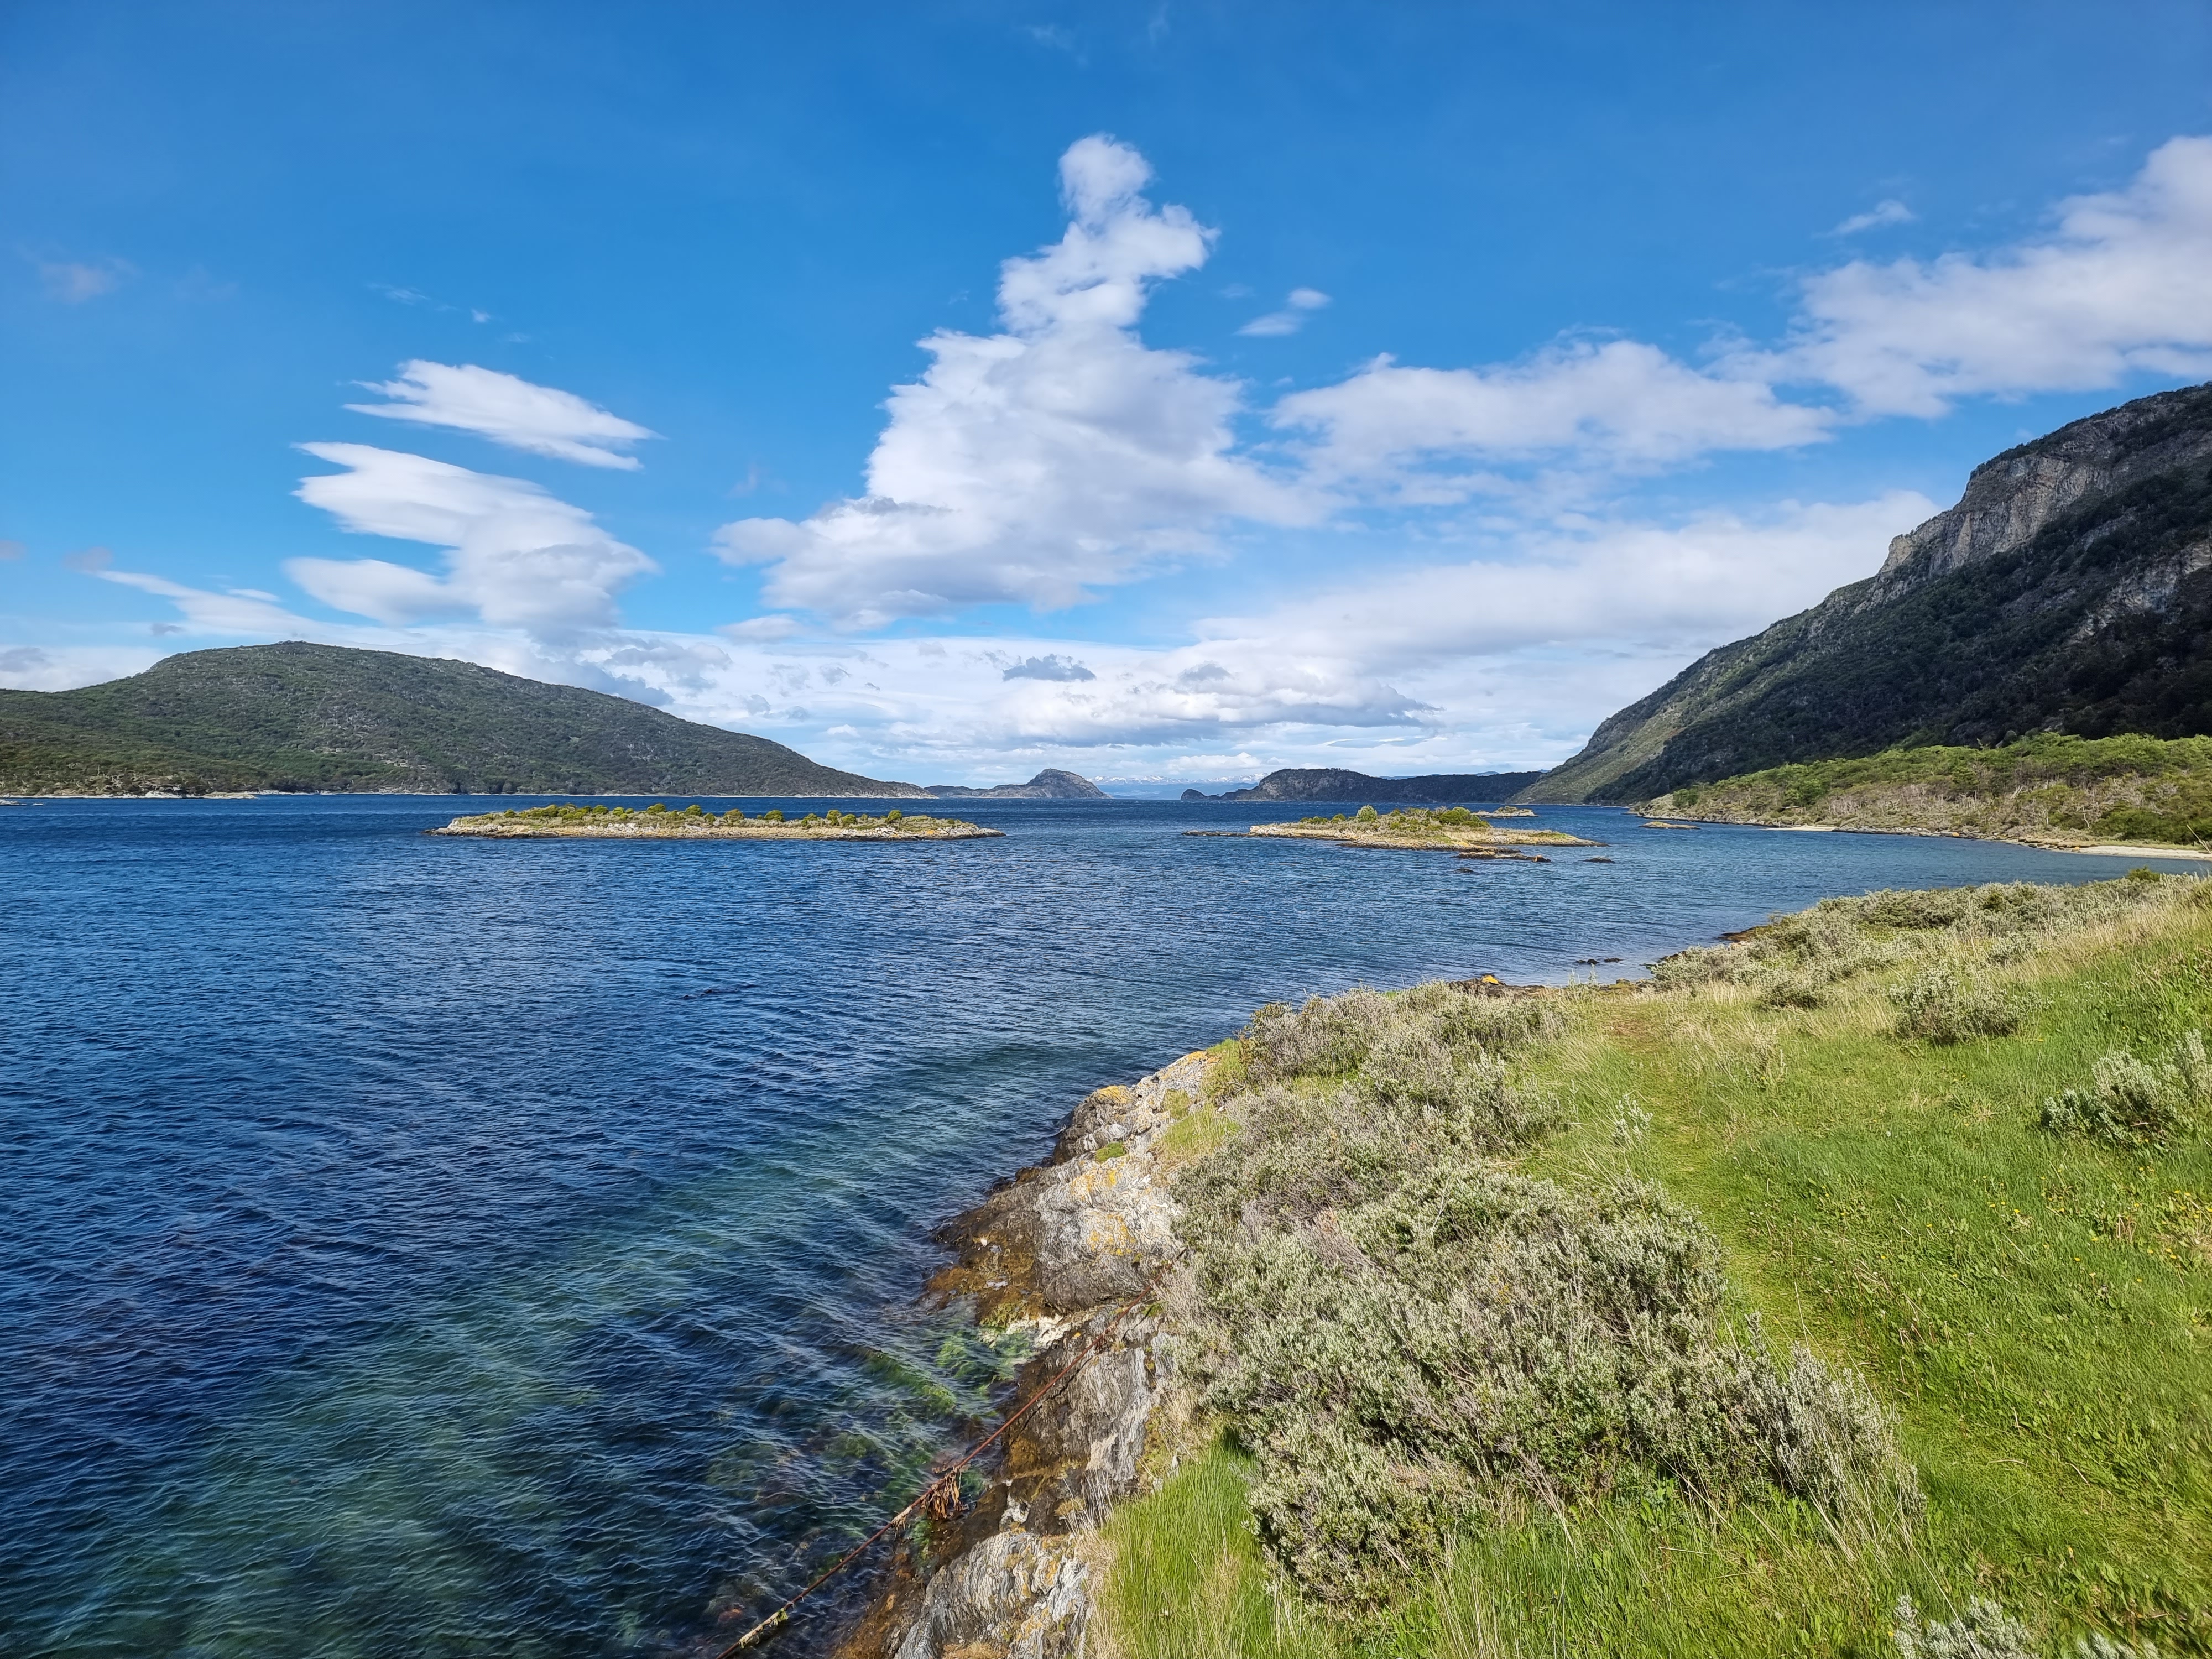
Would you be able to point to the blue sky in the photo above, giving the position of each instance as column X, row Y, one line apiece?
column 1400, row 387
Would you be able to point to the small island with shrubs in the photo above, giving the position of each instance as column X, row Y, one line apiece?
column 694, row 822
column 1451, row 829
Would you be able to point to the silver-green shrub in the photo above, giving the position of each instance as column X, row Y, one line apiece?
column 1983, row 1631
column 1411, row 1341
column 2096, row 1645
column 1986, row 1631
column 2133, row 1103
column 1944, row 1004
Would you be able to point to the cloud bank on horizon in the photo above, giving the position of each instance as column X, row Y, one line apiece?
column 1486, row 587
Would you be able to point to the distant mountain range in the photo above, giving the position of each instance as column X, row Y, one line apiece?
column 1051, row 784
column 2069, row 590
column 1329, row 783
column 323, row 717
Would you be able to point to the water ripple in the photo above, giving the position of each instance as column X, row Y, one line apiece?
column 431, row 1247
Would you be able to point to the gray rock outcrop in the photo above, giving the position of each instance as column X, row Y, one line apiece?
column 1062, row 1249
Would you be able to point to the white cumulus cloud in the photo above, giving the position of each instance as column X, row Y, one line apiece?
column 1684, row 586
column 1062, row 452
column 2123, row 286
column 541, row 419
column 1414, row 432
column 515, row 555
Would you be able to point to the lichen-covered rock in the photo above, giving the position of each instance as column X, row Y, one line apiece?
column 1064, row 1247
column 1013, row 1595
column 1092, row 1226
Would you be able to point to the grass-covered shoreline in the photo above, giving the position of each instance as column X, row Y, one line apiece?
column 2049, row 789
column 598, row 820
column 1868, row 1259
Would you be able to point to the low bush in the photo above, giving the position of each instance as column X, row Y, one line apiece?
column 1983, row 1631
column 1333, row 1035
column 1949, row 1005
column 1986, row 1631
column 1411, row 1342
column 2135, row 1103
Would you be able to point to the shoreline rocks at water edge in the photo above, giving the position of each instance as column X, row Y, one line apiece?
column 1059, row 1251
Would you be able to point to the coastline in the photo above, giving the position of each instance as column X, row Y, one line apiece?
column 1419, row 835
column 2100, row 849
column 1066, row 1514
column 1057, row 1253
column 719, row 832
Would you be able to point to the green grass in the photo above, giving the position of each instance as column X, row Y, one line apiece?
column 2035, row 1311
column 1188, row 1579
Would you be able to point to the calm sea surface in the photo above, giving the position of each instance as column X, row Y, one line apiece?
column 417, row 1247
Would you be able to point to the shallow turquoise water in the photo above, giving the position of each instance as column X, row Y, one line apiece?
column 419, row 1246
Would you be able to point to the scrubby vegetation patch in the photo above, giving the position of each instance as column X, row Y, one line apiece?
column 2129, row 1101
column 1411, row 1341
column 2049, row 786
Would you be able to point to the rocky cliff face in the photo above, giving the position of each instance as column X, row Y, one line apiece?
column 2009, row 501
column 2070, row 589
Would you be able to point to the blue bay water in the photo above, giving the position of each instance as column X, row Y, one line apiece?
column 424, row 1247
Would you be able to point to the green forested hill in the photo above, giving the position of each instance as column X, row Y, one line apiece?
column 2070, row 589
column 320, row 717
column 1331, row 783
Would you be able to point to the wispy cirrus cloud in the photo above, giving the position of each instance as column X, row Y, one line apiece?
column 73, row 281
column 1882, row 215
column 1301, row 305
column 542, row 420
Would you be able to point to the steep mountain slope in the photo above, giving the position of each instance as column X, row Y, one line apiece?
column 2070, row 589
column 1051, row 784
column 298, row 716
column 1331, row 783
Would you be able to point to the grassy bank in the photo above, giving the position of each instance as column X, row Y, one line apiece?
column 1874, row 1260
column 2048, row 787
